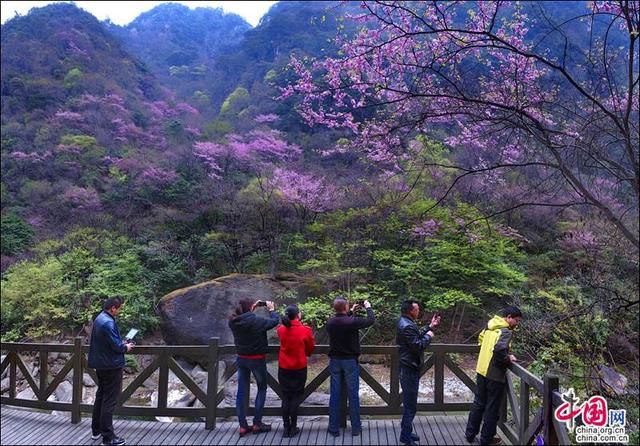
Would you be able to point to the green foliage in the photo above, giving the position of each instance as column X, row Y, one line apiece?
column 131, row 362
column 16, row 234
column 69, row 279
column 73, row 78
column 235, row 102
column 81, row 141
column 36, row 300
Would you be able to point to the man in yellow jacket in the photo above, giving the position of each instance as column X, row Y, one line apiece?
column 492, row 366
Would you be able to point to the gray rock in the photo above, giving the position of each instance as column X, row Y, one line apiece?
column 201, row 378
column 64, row 392
column 611, row 382
column 190, row 316
column 4, row 385
column 197, row 370
column 27, row 394
column 87, row 380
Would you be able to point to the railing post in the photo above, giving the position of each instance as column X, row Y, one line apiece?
column 76, row 398
column 438, row 377
column 394, row 378
column 212, row 384
column 524, row 411
column 44, row 369
column 13, row 374
column 163, row 380
column 551, row 384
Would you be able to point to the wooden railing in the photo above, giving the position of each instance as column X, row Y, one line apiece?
column 517, row 427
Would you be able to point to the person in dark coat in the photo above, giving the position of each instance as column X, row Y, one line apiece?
column 411, row 344
column 250, row 337
column 344, row 351
column 106, row 355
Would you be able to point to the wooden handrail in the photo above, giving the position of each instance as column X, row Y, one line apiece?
column 212, row 396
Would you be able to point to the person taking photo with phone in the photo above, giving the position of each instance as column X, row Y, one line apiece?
column 250, row 337
column 296, row 343
column 344, row 350
column 411, row 345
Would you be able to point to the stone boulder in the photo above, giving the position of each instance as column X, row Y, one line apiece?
column 611, row 383
column 190, row 316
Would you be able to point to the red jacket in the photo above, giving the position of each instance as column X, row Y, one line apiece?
column 296, row 343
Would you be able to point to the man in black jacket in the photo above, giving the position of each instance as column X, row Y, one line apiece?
column 250, row 336
column 344, row 350
column 411, row 344
column 106, row 355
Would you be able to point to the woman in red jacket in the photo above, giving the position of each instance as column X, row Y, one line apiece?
column 296, row 343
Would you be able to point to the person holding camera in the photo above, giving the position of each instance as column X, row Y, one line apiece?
column 344, row 350
column 250, row 337
column 411, row 344
column 106, row 356
column 296, row 343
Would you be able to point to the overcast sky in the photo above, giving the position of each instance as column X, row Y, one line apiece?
column 124, row 12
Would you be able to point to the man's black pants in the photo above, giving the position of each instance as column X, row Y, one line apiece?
column 485, row 407
column 109, row 388
column 410, row 383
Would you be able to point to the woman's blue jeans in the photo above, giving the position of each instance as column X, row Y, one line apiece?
column 259, row 369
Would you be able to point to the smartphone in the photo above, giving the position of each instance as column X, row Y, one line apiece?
column 132, row 334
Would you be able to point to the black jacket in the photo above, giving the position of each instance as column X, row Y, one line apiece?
column 250, row 332
column 411, row 343
column 106, row 351
column 344, row 340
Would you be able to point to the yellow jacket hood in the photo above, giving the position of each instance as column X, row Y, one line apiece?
column 497, row 322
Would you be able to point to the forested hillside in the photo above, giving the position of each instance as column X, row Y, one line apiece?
column 491, row 160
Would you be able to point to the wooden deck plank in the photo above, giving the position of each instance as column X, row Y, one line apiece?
column 457, row 433
column 36, row 427
column 174, row 435
column 447, row 430
column 214, row 436
column 428, row 433
column 439, row 430
column 314, row 431
column 77, row 433
column 132, row 429
column 162, row 431
column 194, row 429
column 230, row 436
column 273, row 437
column 28, row 427
column 395, row 424
column 13, row 421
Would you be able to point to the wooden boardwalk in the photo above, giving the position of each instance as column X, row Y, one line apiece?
column 25, row 427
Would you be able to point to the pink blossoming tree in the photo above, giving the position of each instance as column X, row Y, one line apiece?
column 563, row 121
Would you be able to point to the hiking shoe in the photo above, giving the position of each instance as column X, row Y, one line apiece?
column 244, row 431
column 493, row 441
column 95, row 436
column 408, row 441
column 294, row 431
column 259, row 428
column 470, row 439
column 115, row 441
column 356, row 433
column 334, row 433
column 414, row 437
